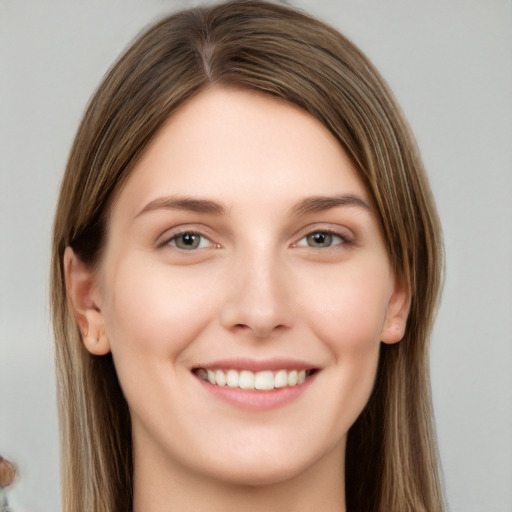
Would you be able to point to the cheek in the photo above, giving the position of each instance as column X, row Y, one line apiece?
column 348, row 316
column 349, row 313
column 155, row 309
column 348, row 321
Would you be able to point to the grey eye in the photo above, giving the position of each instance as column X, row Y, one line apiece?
column 187, row 241
column 323, row 240
column 320, row 239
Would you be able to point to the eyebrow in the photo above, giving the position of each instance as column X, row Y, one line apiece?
column 190, row 204
column 314, row 204
column 317, row 204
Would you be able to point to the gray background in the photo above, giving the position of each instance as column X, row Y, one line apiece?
column 449, row 64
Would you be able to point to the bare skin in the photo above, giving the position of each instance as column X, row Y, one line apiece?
column 243, row 241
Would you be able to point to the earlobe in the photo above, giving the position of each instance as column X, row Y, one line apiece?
column 83, row 296
column 99, row 346
column 397, row 313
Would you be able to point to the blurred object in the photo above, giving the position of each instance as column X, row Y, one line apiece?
column 7, row 478
column 4, row 506
column 7, row 473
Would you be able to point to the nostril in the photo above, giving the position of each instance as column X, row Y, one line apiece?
column 259, row 329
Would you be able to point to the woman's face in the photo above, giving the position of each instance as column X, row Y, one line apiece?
column 244, row 249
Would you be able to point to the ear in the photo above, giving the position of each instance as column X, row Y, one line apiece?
column 85, row 300
column 397, row 313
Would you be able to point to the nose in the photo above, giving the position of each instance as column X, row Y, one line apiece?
column 258, row 300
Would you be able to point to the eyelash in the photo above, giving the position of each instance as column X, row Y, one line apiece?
column 343, row 240
column 191, row 233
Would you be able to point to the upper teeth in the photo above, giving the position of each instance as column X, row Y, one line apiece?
column 245, row 379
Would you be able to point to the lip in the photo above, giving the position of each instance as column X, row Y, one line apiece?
column 255, row 400
column 257, row 365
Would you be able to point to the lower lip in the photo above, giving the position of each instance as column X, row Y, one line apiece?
column 255, row 400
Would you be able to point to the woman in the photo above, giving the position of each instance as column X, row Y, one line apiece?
column 246, row 266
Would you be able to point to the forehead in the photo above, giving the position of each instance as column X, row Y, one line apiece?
column 229, row 144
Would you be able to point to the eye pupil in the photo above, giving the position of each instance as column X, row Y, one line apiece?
column 320, row 240
column 188, row 241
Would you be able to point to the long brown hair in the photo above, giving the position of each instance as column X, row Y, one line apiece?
column 391, row 462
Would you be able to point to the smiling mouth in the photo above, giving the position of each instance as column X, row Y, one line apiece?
column 245, row 379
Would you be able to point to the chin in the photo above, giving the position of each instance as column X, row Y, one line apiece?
column 272, row 465
column 259, row 475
